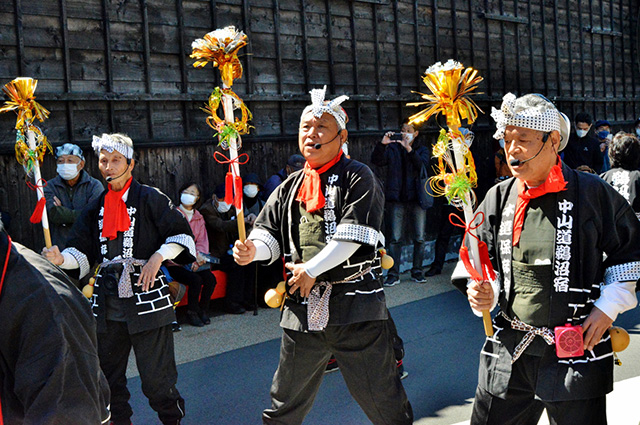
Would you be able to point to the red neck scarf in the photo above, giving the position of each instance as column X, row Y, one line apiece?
column 310, row 192
column 554, row 183
column 115, row 219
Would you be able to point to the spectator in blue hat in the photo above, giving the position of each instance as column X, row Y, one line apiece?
column 294, row 163
column 68, row 192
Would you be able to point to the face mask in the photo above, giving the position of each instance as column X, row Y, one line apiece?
column 581, row 133
column 638, row 131
column 501, row 143
column 408, row 137
column 223, row 207
column 68, row 171
column 187, row 199
column 251, row 190
column 604, row 134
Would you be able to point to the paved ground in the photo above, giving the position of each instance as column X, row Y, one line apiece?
column 225, row 368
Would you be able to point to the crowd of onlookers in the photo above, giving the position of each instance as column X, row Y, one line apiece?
column 402, row 157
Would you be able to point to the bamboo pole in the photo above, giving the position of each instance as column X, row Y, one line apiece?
column 458, row 146
column 227, row 106
column 31, row 141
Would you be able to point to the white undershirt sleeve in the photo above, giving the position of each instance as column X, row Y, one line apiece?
column 169, row 251
column 70, row 261
column 332, row 255
column 262, row 251
column 616, row 298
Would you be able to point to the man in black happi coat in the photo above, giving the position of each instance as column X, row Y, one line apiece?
column 326, row 221
column 130, row 230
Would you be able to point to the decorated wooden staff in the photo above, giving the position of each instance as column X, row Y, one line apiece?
column 31, row 143
column 220, row 47
column 450, row 85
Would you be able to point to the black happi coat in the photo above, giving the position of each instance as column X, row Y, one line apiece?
column 49, row 368
column 627, row 183
column 353, row 213
column 591, row 219
column 155, row 221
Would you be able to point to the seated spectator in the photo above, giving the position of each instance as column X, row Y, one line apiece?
column 197, row 275
column 624, row 175
column 294, row 163
column 68, row 192
column 251, row 201
column 222, row 229
column 404, row 161
column 582, row 148
column 604, row 136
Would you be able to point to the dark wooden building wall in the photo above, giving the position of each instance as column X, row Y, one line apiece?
column 122, row 65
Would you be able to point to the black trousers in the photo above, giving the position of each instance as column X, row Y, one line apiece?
column 201, row 286
column 157, row 366
column 522, row 408
column 365, row 354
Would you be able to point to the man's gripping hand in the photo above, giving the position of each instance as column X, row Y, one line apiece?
column 53, row 254
column 300, row 279
column 244, row 252
column 480, row 295
column 594, row 327
column 149, row 271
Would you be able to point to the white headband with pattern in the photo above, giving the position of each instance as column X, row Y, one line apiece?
column 107, row 143
column 546, row 121
column 318, row 107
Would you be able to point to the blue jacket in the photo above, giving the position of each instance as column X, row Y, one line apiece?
column 403, row 170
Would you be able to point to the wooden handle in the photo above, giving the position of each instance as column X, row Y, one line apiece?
column 242, row 233
column 488, row 325
column 47, row 237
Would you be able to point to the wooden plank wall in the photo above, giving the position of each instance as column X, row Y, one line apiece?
column 114, row 65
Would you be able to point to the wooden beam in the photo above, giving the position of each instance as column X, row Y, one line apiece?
column 67, row 69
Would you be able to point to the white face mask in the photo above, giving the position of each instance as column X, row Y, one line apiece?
column 187, row 199
column 68, row 171
column 408, row 137
column 501, row 143
column 581, row 133
column 251, row 190
column 223, row 207
column 638, row 131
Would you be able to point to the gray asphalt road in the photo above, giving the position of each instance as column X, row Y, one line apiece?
column 442, row 340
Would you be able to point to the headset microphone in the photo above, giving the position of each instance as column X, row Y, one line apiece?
column 517, row 162
column 317, row 146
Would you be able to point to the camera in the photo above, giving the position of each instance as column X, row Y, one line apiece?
column 109, row 280
column 396, row 136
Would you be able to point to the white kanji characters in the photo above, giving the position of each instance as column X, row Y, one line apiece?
column 101, row 224
column 562, row 268
column 505, row 247
column 509, row 210
column 131, row 211
column 565, row 206
column 127, row 242
column 563, row 237
column 329, row 202
column 563, row 253
column 127, row 252
column 561, row 284
column 330, row 228
column 620, row 178
column 103, row 249
column 623, row 190
column 329, row 215
column 506, row 228
column 565, row 221
column 506, row 266
column 333, row 178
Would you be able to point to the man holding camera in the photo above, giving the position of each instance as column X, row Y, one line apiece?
column 404, row 162
column 130, row 230
column 546, row 231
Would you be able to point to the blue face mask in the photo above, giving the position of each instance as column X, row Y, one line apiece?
column 602, row 134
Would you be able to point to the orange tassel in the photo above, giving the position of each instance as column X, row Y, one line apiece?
column 36, row 217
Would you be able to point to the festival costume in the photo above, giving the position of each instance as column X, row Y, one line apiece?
column 126, row 316
column 627, row 183
column 572, row 228
column 356, row 330
column 49, row 367
column 73, row 200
